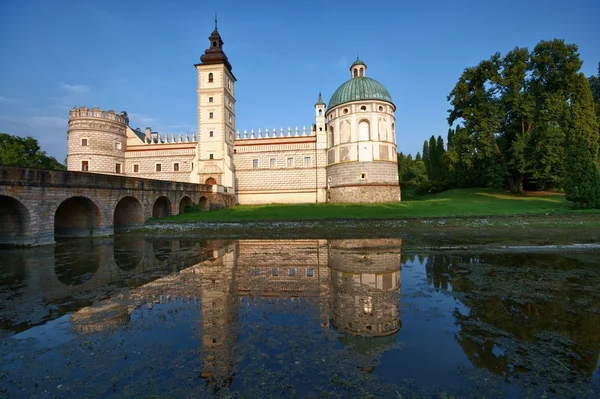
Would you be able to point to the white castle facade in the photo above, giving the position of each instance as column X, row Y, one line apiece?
column 347, row 155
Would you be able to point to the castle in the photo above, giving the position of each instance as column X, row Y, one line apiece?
column 347, row 155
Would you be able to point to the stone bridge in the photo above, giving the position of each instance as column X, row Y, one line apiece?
column 37, row 206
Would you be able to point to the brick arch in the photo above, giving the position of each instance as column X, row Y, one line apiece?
column 184, row 203
column 162, row 206
column 211, row 180
column 83, row 221
column 204, row 203
column 17, row 220
column 128, row 211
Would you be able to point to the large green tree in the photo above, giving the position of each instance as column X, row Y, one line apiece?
column 25, row 152
column 515, row 111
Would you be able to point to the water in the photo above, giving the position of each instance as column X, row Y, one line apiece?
column 135, row 316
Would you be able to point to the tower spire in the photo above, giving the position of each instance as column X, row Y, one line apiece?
column 215, row 21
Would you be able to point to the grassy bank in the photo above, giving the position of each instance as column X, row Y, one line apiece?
column 452, row 203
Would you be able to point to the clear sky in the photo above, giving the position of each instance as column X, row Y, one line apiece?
column 138, row 56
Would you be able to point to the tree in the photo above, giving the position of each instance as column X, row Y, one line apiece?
column 594, row 82
column 25, row 152
column 515, row 111
column 582, row 176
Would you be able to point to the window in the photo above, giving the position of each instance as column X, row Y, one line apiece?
column 136, row 168
column 290, row 162
column 118, row 168
column 211, row 115
column 210, row 99
column 117, row 145
column 292, row 271
column 230, row 119
column 192, row 166
column 273, row 162
column 275, row 272
column 255, row 163
column 363, row 130
column 307, row 161
column 363, row 176
column 345, row 111
column 310, row 272
column 362, row 72
column 176, row 167
column 380, row 108
column 211, row 156
column 320, row 112
column 363, row 108
column 158, row 167
column 211, row 78
column 355, row 72
column 84, row 142
column 211, row 133
column 85, row 166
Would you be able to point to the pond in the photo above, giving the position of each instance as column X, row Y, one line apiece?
column 139, row 316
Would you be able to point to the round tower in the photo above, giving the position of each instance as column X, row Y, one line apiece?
column 361, row 141
column 97, row 141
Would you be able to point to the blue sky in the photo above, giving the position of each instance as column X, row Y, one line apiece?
column 138, row 56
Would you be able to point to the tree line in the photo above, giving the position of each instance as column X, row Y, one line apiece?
column 25, row 152
column 528, row 119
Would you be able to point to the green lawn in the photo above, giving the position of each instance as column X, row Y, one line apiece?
column 465, row 202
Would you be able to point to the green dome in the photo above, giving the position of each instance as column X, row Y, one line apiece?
column 360, row 88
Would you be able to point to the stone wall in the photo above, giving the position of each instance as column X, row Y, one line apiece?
column 147, row 158
column 366, row 182
column 298, row 182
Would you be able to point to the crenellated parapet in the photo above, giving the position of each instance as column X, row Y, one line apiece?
column 97, row 112
column 273, row 134
column 175, row 138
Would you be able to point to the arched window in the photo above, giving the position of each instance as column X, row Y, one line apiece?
column 320, row 112
column 210, row 78
column 361, row 72
column 355, row 72
column 330, row 137
column 363, row 131
column 215, row 44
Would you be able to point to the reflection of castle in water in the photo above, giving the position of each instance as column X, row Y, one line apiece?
column 354, row 284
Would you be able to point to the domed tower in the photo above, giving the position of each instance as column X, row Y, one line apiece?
column 97, row 141
column 361, row 141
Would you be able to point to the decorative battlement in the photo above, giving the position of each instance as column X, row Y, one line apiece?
column 154, row 138
column 97, row 112
column 274, row 134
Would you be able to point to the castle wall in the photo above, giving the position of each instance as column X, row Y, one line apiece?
column 366, row 182
column 167, row 155
column 297, row 181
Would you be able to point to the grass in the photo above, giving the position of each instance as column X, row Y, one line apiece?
column 452, row 203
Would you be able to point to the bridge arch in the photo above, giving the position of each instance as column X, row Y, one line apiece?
column 186, row 202
column 128, row 212
column 15, row 221
column 161, row 207
column 204, row 204
column 77, row 216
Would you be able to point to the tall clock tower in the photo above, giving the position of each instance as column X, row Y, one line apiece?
column 216, row 116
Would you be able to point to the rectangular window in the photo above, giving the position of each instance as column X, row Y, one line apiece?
column 158, row 167
column 292, row 271
column 255, row 163
column 176, row 167
column 211, row 115
column 118, row 168
column 84, row 142
column 211, row 156
column 273, row 162
column 136, row 168
column 290, row 162
column 275, row 272
column 210, row 99
column 117, row 145
column 307, row 161
column 310, row 272
column 211, row 133
column 85, row 166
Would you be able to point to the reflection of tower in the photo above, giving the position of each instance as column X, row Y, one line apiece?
column 365, row 280
column 219, row 315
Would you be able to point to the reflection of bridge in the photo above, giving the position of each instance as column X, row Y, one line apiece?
column 38, row 205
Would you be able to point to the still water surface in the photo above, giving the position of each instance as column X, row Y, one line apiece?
column 135, row 316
